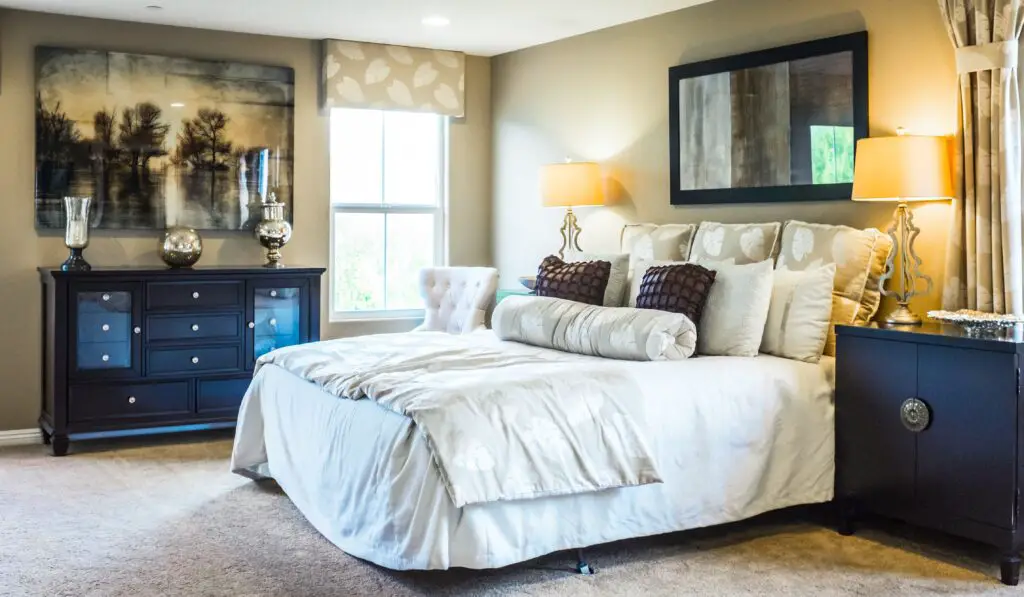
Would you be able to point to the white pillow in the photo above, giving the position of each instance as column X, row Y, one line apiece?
column 737, row 309
column 615, row 291
column 610, row 332
column 800, row 312
column 640, row 268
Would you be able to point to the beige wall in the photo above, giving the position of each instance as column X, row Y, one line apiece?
column 604, row 97
column 22, row 249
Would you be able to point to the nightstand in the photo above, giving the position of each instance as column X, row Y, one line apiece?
column 929, row 430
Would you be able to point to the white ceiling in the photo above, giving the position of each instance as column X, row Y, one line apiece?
column 483, row 27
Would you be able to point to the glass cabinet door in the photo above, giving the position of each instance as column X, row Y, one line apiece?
column 277, row 318
column 104, row 330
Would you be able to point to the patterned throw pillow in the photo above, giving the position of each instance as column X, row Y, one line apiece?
column 859, row 256
column 735, row 243
column 676, row 288
column 581, row 281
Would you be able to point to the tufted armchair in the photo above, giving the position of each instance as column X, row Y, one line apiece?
column 456, row 299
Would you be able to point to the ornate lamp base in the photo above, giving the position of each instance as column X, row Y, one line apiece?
column 902, row 315
column 75, row 262
column 903, row 232
column 570, row 234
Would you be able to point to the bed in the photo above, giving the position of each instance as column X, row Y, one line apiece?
column 733, row 437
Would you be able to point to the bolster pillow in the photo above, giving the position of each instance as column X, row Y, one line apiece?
column 611, row 332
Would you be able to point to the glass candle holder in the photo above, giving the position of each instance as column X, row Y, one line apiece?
column 76, row 232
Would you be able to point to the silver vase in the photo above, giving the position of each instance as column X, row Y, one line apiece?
column 273, row 231
column 180, row 247
column 76, row 233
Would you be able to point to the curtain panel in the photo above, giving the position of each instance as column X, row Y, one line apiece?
column 984, row 264
column 383, row 77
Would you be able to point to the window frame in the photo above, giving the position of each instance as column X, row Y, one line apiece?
column 438, row 210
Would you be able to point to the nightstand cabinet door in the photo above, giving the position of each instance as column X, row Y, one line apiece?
column 967, row 455
column 875, row 454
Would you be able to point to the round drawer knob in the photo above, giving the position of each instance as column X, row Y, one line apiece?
column 105, row 358
column 137, row 330
column 915, row 415
column 131, row 400
column 273, row 322
column 195, row 327
column 195, row 360
column 106, row 297
column 252, row 325
column 273, row 293
column 195, row 295
column 105, row 327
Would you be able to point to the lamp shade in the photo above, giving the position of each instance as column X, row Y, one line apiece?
column 571, row 184
column 902, row 168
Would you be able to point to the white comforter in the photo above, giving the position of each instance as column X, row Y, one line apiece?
column 501, row 423
column 733, row 437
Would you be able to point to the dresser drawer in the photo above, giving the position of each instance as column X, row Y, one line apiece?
column 104, row 327
column 92, row 402
column 104, row 355
column 221, row 395
column 193, row 327
column 189, row 295
column 162, row 361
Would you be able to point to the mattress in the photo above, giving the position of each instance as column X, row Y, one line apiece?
column 733, row 437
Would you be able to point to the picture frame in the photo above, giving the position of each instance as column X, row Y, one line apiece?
column 160, row 141
column 775, row 125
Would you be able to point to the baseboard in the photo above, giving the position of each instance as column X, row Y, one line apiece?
column 20, row 437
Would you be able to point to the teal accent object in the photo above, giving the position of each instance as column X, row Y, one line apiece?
column 502, row 294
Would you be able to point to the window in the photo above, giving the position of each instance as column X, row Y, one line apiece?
column 831, row 154
column 388, row 188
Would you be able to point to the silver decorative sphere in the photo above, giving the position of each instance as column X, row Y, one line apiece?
column 180, row 247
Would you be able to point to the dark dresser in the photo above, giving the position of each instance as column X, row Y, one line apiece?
column 129, row 350
column 929, row 430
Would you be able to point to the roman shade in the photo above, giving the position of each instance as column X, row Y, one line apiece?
column 383, row 77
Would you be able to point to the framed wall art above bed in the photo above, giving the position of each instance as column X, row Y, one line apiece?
column 769, row 126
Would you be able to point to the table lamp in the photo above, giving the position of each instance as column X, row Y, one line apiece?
column 570, row 185
column 903, row 169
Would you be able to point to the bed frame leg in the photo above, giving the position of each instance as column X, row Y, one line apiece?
column 582, row 566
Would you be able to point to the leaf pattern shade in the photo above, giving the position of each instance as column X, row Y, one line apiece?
column 382, row 77
column 984, row 262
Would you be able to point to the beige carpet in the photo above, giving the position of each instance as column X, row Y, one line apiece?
column 163, row 516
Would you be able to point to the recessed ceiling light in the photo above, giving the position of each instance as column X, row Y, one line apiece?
column 436, row 21
column 177, row 104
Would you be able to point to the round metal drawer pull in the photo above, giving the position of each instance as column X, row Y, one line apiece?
column 195, row 360
column 106, row 297
column 252, row 325
column 273, row 293
column 915, row 415
column 105, row 327
column 195, row 327
column 195, row 295
column 105, row 358
column 137, row 330
column 131, row 400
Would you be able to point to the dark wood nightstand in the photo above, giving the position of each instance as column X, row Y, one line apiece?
column 929, row 429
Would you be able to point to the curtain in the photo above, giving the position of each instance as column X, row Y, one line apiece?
column 984, row 264
column 382, row 77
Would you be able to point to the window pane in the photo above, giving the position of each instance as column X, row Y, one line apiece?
column 412, row 158
column 356, row 153
column 358, row 262
column 410, row 248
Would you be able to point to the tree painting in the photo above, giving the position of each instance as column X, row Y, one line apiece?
column 160, row 141
column 203, row 142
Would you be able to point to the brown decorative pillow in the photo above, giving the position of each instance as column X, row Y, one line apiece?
column 581, row 281
column 680, row 288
